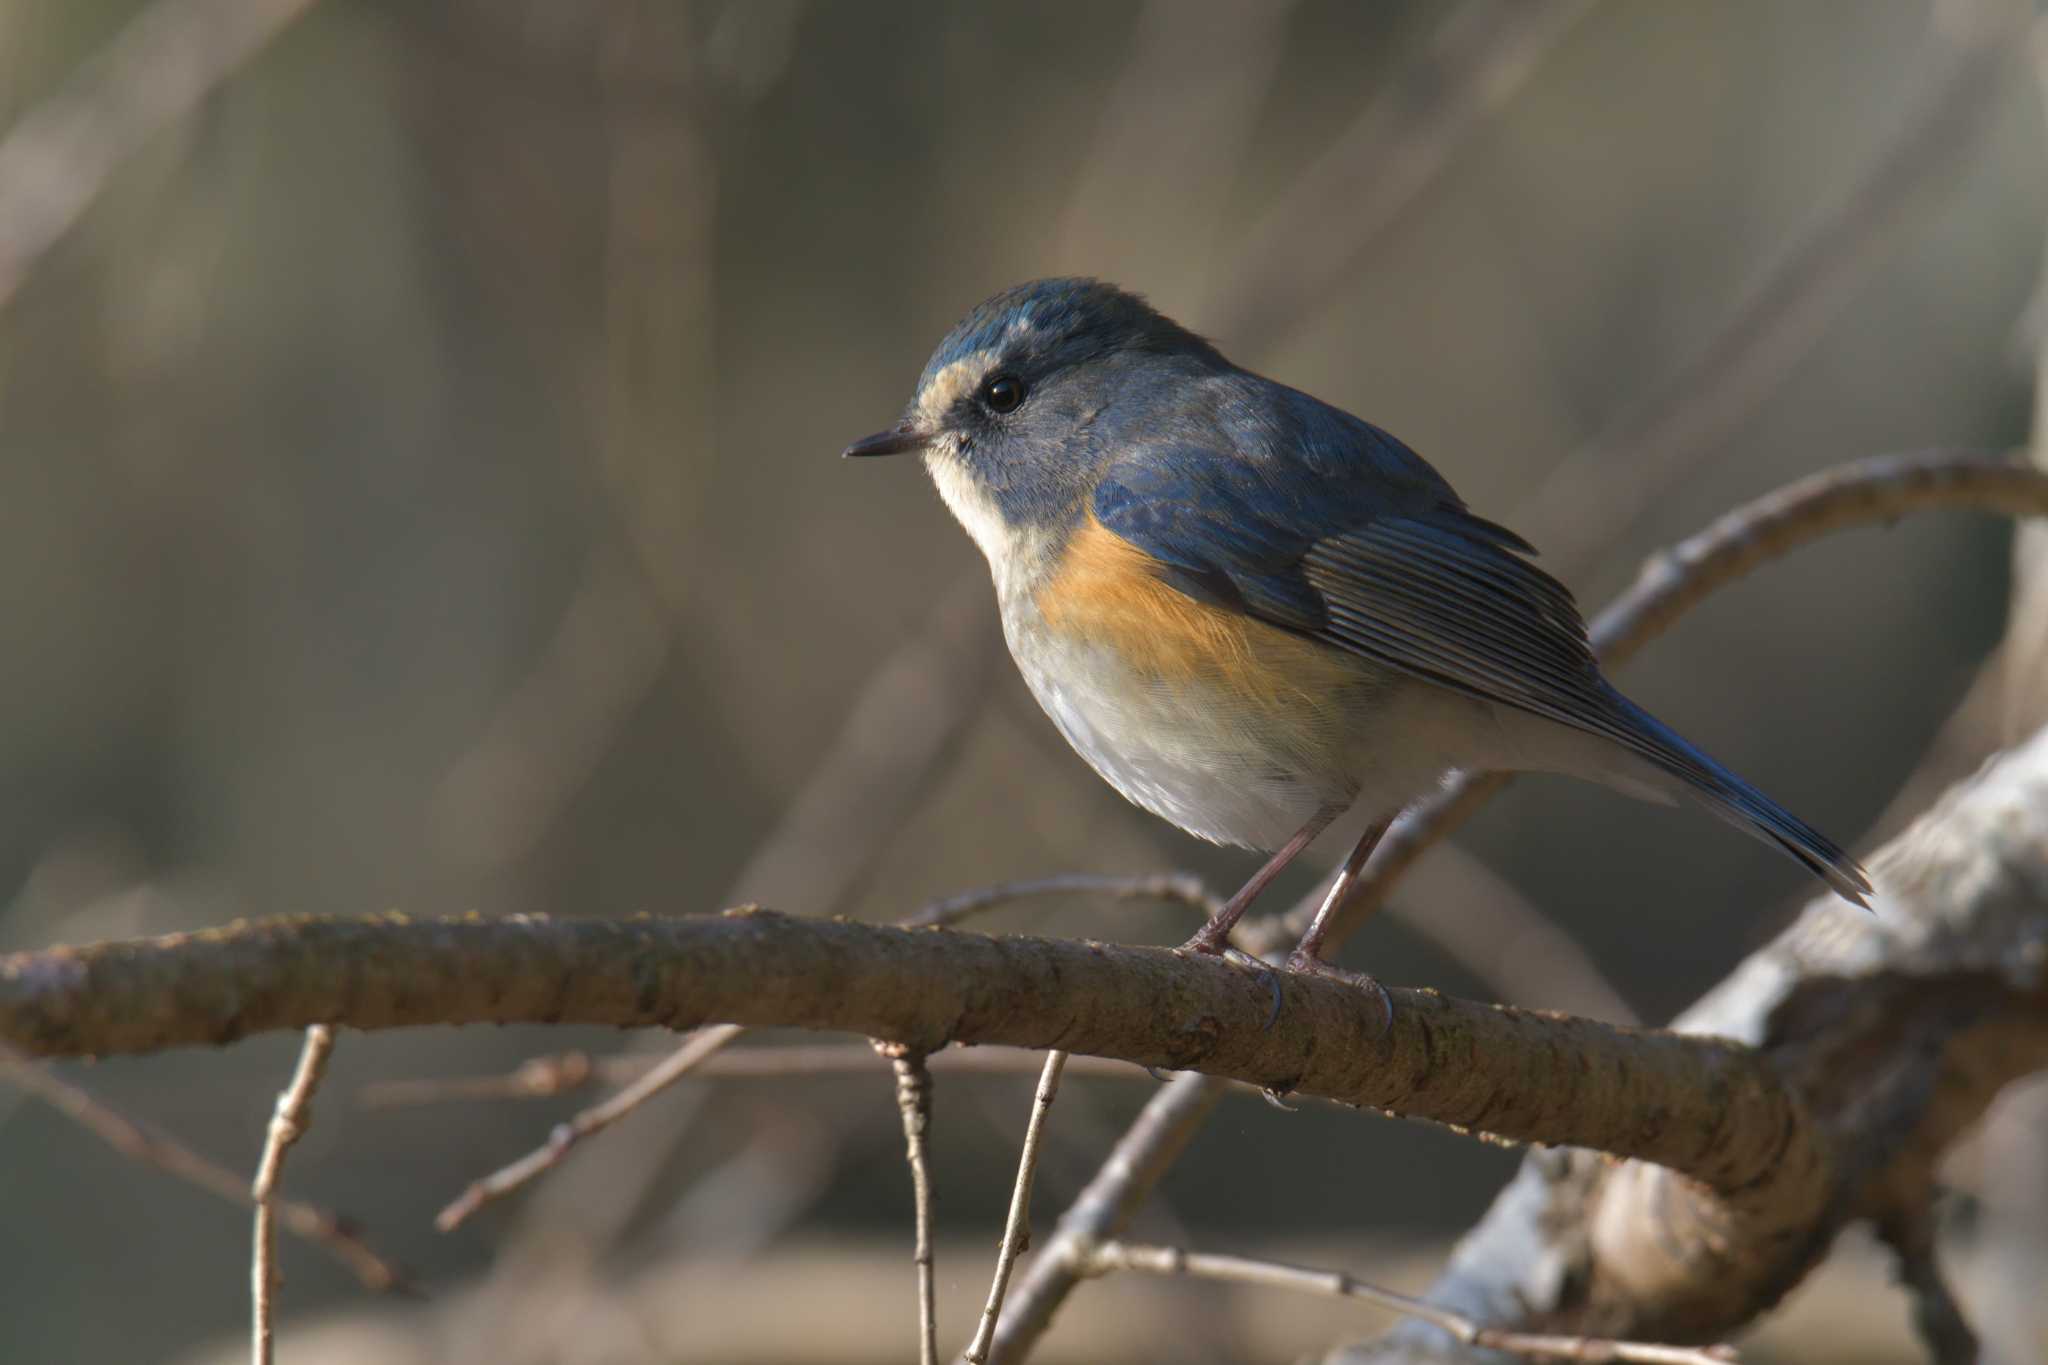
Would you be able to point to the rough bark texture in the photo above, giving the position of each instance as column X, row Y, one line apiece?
column 1699, row 1105
column 1895, row 1031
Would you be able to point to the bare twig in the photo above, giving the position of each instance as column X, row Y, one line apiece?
column 1017, row 1228
column 914, row 1101
column 151, row 1147
column 1173, row 1261
column 562, row 1072
column 1106, row 1206
column 1877, row 490
column 287, row 1124
column 589, row 1122
column 56, row 158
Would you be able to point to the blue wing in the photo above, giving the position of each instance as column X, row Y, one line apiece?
column 1318, row 522
column 1328, row 526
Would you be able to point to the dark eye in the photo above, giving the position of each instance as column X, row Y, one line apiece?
column 1003, row 392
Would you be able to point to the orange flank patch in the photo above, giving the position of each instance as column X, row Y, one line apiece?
column 1109, row 591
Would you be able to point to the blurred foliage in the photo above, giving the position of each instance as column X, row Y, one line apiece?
column 419, row 491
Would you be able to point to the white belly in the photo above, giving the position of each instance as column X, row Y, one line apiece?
column 1199, row 757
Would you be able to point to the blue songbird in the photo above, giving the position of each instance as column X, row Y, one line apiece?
column 1250, row 611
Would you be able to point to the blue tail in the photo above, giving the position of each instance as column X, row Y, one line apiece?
column 1740, row 804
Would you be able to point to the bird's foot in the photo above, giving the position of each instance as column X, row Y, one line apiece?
column 1212, row 939
column 1308, row 964
column 1218, row 945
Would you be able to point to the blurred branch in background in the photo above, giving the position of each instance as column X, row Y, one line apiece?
column 168, row 59
column 1486, row 924
column 1160, row 1260
column 1320, row 230
column 1604, row 485
column 1177, row 124
column 554, row 727
column 908, row 716
column 143, row 1143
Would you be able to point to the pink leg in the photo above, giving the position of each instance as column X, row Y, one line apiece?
column 1308, row 956
column 1214, row 936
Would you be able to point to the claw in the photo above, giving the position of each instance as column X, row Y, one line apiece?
column 1310, row 965
column 1260, row 969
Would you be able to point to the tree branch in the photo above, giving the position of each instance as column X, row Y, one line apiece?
column 1897, row 1031
column 294, row 1113
column 1514, row 1073
column 55, row 159
column 1177, row 1261
column 152, row 1147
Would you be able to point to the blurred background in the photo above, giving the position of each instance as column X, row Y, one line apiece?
column 418, row 490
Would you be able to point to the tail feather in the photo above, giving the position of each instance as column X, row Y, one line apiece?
column 1740, row 804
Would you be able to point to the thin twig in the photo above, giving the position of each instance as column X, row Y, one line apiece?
column 288, row 1124
column 914, row 1100
column 1173, row 1261
column 1133, row 1169
column 589, row 1122
column 1877, row 490
column 152, row 1147
column 56, row 158
column 1017, row 1228
column 562, row 1072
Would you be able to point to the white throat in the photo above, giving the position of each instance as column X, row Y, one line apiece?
column 1012, row 552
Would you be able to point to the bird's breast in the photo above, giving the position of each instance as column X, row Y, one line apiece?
column 1233, row 729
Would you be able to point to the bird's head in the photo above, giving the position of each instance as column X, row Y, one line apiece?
column 1026, row 398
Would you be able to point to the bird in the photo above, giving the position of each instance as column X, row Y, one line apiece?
column 1251, row 612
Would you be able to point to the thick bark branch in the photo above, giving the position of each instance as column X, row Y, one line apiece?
column 1895, row 1031
column 1702, row 1106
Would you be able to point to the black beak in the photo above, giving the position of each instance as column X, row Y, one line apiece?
column 895, row 441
